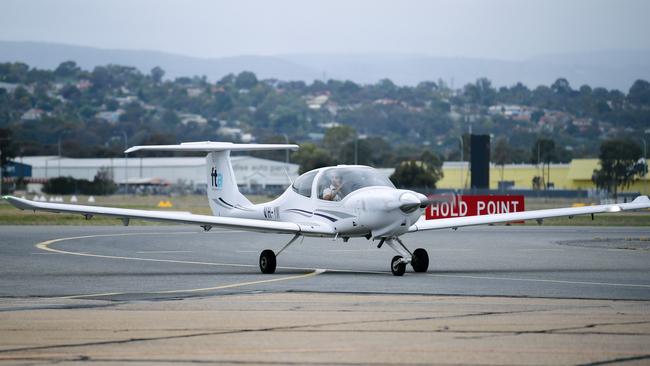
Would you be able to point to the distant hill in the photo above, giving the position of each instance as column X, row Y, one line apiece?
column 50, row 55
column 612, row 69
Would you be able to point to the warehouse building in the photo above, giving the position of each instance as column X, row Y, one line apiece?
column 252, row 174
column 575, row 175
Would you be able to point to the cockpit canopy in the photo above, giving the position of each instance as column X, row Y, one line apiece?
column 335, row 183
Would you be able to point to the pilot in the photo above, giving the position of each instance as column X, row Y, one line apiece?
column 333, row 192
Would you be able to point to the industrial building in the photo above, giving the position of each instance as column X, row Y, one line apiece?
column 575, row 175
column 252, row 173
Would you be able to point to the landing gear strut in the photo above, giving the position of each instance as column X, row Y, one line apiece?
column 419, row 259
column 268, row 257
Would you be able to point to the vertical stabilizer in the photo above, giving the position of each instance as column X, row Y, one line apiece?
column 223, row 193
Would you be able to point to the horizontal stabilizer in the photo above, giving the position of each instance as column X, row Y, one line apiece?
column 208, row 146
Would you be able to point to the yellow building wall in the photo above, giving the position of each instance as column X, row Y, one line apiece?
column 575, row 175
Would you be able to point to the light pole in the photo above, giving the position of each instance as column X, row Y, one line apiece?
column 59, row 154
column 462, row 149
column 645, row 152
column 59, row 150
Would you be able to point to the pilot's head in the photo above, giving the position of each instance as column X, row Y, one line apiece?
column 336, row 179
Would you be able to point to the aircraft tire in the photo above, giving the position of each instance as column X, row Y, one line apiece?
column 267, row 261
column 420, row 260
column 397, row 267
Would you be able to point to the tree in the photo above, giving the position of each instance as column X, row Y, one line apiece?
column 67, row 69
column 639, row 93
column 7, row 148
column 245, row 80
column 157, row 74
column 336, row 137
column 413, row 173
column 543, row 152
column 621, row 165
column 70, row 92
column 480, row 92
column 502, row 154
column 170, row 118
column 310, row 157
column 432, row 164
column 561, row 86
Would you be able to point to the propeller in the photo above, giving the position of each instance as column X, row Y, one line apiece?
column 409, row 202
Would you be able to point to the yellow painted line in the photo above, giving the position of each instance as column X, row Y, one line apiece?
column 204, row 289
column 241, row 284
column 45, row 245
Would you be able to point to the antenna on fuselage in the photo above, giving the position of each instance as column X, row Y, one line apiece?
column 287, row 173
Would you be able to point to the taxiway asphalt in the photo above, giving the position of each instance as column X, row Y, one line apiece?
column 177, row 295
column 156, row 262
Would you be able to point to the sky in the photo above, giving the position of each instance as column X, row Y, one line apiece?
column 498, row 29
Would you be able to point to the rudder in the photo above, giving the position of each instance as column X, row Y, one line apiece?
column 223, row 193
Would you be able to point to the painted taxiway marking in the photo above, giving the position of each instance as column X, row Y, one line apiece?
column 162, row 251
column 45, row 245
column 203, row 289
column 541, row 250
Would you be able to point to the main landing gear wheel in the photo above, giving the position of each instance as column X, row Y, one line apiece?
column 420, row 260
column 397, row 266
column 267, row 261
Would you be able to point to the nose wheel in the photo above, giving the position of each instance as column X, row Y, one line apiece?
column 397, row 266
column 419, row 259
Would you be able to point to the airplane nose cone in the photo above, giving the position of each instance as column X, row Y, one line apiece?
column 408, row 199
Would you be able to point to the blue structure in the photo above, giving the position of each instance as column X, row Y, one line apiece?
column 14, row 169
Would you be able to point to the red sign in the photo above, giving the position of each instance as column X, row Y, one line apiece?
column 466, row 205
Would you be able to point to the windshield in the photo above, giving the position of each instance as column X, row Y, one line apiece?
column 336, row 183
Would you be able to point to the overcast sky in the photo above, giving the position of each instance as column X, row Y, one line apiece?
column 504, row 29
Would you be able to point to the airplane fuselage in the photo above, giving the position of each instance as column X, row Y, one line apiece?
column 372, row 211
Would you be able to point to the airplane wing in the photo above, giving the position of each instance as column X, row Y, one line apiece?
column 640, row 202
column 205, row 221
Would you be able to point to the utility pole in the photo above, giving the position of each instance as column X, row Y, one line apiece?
column 59, row 145
column 645, row 152
column 126, row 167
column 462, row 149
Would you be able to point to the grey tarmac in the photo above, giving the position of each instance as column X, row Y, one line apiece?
column 175, row 294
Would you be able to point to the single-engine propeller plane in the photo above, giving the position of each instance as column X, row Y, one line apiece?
column 342, row 201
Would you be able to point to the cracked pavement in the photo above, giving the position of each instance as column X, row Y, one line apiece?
column 309, row 328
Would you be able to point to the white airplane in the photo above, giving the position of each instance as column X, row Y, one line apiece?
column 343, row 201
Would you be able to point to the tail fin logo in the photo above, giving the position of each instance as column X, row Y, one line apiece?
column 217, row 179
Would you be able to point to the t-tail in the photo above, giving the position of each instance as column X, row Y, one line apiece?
column 223, row 194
